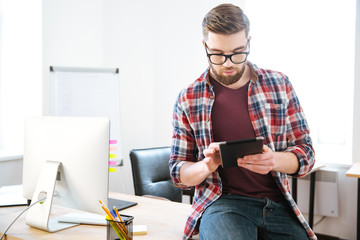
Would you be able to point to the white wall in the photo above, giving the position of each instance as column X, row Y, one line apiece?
column 21, row 64
column 157, row 47
column 21, row 70
column 356, row 125
column 155, row 44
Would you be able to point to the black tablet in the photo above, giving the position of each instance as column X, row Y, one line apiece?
column 230, row 151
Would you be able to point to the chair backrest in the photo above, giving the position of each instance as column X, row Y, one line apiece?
column 151, row 175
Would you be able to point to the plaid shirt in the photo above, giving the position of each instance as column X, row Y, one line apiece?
column 276, row 115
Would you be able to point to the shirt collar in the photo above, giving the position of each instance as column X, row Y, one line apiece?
column 254, row 73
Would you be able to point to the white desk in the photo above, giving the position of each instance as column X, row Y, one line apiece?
column 164, row 220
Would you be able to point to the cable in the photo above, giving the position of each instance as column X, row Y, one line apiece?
column 319, row 221
column 2, row 236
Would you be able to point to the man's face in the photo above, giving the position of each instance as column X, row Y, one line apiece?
column 228, row 72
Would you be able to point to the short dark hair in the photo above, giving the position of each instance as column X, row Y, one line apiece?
column 225, row 19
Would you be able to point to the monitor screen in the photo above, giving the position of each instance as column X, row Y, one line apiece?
column 81, row 145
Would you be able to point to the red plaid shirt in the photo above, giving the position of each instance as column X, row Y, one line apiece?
column 276, row 115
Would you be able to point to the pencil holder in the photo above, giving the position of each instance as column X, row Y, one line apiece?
column 120, row 230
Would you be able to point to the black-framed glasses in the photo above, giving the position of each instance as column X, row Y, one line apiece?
column 236, row 58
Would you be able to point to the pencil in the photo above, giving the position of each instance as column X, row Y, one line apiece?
column 118, row 215
column 106, row 210
column 113, row 219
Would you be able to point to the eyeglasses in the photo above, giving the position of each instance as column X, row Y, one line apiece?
column 236, row 58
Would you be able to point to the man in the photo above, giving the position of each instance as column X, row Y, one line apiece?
column 234, row 99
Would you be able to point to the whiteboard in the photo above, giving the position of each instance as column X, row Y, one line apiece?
column 88, row 92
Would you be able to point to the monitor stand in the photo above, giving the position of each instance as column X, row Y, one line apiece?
column 38, row 216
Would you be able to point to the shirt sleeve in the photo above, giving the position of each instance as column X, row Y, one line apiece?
column 183, row 142
column 298, row 133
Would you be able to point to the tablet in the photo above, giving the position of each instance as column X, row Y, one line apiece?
column 230, row 151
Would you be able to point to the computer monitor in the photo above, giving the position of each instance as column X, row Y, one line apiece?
column 69, row 156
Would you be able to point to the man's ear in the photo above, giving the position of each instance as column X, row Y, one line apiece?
column 249, row 38
column 203, row 42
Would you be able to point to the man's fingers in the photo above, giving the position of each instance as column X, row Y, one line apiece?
column 214, row 145
column 208, row 152
column 261, row 169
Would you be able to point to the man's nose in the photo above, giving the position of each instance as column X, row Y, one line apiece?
column 228, row 63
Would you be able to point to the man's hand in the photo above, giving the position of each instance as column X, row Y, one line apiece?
column 212, row 158
column 267, row 161
column 194, row 173
column 261, row 163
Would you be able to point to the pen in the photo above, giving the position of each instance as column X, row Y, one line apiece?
column 113, row 219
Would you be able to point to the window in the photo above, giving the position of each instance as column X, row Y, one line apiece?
column 313, row 43
column 20, row 69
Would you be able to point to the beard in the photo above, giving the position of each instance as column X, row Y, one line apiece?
column 227, row 80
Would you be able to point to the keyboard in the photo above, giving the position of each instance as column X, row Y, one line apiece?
column 83, row 218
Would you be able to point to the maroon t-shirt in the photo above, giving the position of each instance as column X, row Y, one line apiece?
column 231, row 121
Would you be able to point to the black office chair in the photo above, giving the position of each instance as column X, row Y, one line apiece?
column 151, row 175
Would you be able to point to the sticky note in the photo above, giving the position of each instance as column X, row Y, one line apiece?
column 112, row 169
column 112, row 148
column 139, row 230
column 112, row 155
column 112, row 163
column 113, row 141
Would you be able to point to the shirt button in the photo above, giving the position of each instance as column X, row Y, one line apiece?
column 211, row 97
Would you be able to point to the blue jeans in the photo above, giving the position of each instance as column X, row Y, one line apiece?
column 244, row 218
